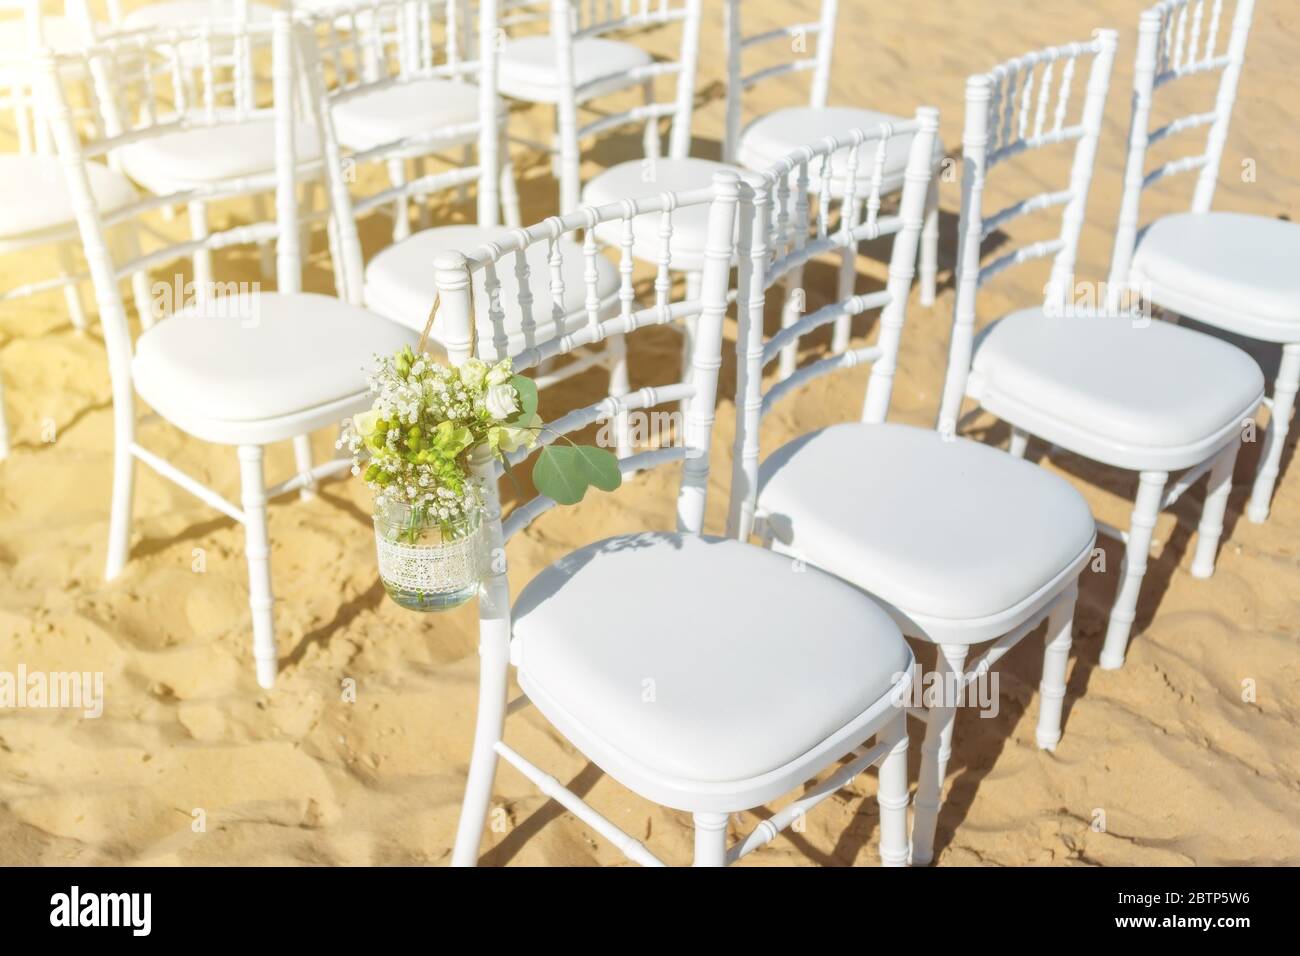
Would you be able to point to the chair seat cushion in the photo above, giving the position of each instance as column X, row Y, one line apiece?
column 775, row 135
column 1234, row 271
column 690, row 224
column 529, row 72
column 211, row 154
column 261, row 356
column 952, row 529
column 34, row 196
column 742, row 662
column 400, row 284
column 395, row 112
column 1131, row 394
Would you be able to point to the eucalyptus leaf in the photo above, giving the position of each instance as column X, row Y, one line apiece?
column 559, row 475
column 600, row 467
column 565, row 472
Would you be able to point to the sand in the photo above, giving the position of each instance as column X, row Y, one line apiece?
column 1162, row 762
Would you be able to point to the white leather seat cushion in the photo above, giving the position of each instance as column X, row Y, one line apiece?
column 400, row 284
column 1142, row 386
column 1236, row 271
column 690, row 224
column 232, row 149
column 753, row 662
column 417, row 107
column 948, row 529
column 34, row 196
column 528, row 69
column 253, row 360
column 775, row 135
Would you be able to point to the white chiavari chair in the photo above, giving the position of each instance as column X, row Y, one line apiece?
column 35, row 209
column 397, row 282
column 24, row 29
column 1228, row 270
column 1111, row 386
column 768, row 138
column 579, row 61
column 235, row 366
column 961, row 543
column 404, row 74
column 231, row 137
column 739, row 716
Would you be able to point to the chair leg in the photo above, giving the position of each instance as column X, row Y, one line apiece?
column 651, row 143
column 935, row 751
column 257, row 548
column 119, row 521
column 202, row 259
column 1217, row 489
column 302, row 458
column 710, row 839
column 790, row 313
column 847, row 279
column 1270, row 462
column 1019, row 443
column 1151, row 490
column 619, row 385
column 1056, row 658
column 266, row 250
column 891, row 794
column 494, row 666
column 509, row 191
column 401, row 222
column 689, row 326
column 930, row 243
column 71, row 293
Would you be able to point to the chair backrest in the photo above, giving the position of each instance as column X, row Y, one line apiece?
column 453, row 274
column 784, row 224
column 573, row 20
column 1176, row 41
column 794, row 38
column 147, row 70
column 1010, row 111
column 354, row 51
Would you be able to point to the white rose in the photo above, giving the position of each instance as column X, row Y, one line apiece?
column 473, row 373
column 502, row 401
column 500, row 373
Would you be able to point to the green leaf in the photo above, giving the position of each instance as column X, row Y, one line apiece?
column 564, row 472
column 600, row 466
column 559, row 476
column 527, row 391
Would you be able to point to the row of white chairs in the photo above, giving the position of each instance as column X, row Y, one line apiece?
column 905, row 514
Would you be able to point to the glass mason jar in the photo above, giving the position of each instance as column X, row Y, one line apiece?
column 426, row 564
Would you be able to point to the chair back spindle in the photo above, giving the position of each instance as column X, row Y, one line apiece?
column 1010, row 112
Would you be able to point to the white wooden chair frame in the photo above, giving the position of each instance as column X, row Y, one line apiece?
column 371, row 47
column 572, row 20
column 350, row 29
column 777, row 237
column 491, row 172
column 710, row 816
column 1166, row 53
column 997, row 128
column 107, row 63
column 819, row 64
